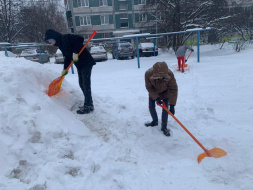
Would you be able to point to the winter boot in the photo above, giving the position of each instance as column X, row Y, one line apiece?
column 152, row 123
column 85, row 109
column 165, row 131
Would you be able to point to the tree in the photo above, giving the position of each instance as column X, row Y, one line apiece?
column 241, row 22
column 10, row 24
column 180, row 15
column 41, row 16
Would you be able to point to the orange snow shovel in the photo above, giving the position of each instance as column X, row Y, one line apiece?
column 55, row 86
column 214, row 152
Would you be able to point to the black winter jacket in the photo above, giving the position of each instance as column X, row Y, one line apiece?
column 69, row 44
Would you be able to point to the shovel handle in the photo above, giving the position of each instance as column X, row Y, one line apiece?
column 188, row 56
column 164, row 107
column 90, row 38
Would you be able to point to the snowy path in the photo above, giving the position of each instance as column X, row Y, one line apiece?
column 48, row 146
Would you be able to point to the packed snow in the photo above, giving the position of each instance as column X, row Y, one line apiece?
column 44, row 144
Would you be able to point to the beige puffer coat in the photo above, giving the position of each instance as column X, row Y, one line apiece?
column 160, row 82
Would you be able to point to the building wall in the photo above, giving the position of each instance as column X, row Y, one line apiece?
column 123, row 16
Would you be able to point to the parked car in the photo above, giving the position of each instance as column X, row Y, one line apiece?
column 36, row 55
column 147, row 49
column 125, row 50
column 98, row 53
column 59, row 58
column 9, row 53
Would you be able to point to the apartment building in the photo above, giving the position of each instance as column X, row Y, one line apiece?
column 111, row 18
column 240, row 3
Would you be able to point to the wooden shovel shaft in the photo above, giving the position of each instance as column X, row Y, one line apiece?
column 206, row 151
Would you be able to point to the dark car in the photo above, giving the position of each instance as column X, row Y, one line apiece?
column 125, row 50
column 147, row 49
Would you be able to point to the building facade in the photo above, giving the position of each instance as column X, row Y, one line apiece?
column 111, row 18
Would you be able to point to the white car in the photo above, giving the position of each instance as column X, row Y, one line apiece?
column 36, row 55
column 9, row 53
column 98, row 53
column 59, row 58
column 147, row 49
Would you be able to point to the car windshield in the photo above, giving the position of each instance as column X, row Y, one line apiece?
column 40, row 51
column 125, row 45
column 97, row 48
column 27, row 52
column 144, row 45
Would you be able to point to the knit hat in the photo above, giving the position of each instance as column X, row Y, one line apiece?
column 51, row 39
column 56, row 36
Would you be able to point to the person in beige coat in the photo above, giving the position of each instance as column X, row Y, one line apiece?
column 162, row 87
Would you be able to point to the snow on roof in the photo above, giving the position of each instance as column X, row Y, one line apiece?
column 196, row 29
column 135, row 35
column 126, row 31
column 4, row 43
column 147, row 44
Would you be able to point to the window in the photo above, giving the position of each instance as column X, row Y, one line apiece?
column 83, row 3
column 85, row 20
column 124, row 25
column 159, row 16
column 102, row 3
column 143, row 17
column 106, row 35
column 123, row 16
column 122, row 6
column 104, row 19
column 142, row 2
column 70, row 22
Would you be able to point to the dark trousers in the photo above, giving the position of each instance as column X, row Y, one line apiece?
column 84, row 75
column 152, row 110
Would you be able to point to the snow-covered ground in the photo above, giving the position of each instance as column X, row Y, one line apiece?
column 44, row 144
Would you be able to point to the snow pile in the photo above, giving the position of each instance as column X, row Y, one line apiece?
column 44, row 144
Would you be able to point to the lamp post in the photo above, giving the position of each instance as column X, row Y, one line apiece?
column 156, row 20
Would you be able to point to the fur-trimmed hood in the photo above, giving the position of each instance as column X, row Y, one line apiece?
column 160, row 71
column 160, row 82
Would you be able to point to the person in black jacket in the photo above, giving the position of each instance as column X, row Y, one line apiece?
column 70, row 45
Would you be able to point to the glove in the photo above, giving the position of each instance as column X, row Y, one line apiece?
column 172, row 109
column 75, row 58
column 64, row 72
column 192, row 50
column 159, row 100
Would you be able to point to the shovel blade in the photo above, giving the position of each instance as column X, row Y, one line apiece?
column 215, row 152
column 55, row 86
